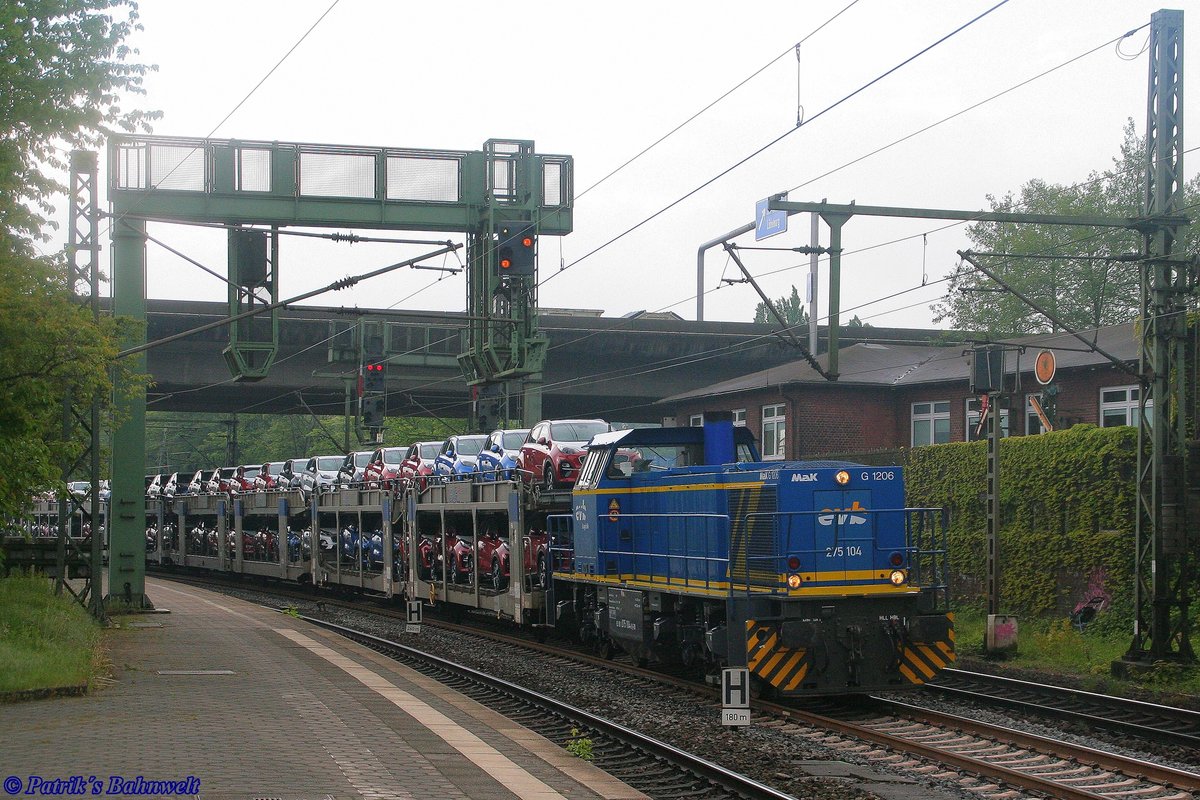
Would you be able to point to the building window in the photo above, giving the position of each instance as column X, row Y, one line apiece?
column 1033, row 423
column 696, row 421
column 774, row 433
column 973, row 432
column 930, row 423
column 739, row 417
column 1119, row 406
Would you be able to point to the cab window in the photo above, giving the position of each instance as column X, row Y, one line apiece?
column 593, row 464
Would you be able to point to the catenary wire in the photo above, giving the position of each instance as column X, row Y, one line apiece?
column 772, row 143
column 250, row 93
column 894, row 143
column 694, row 116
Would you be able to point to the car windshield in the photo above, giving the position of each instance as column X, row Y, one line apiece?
column 277, row 467
column 251, row 472
column 470, row 445
column 576, row 431
column 362, row 459
column 429, row 450
column 514, row 439
column 330, row 463
column 393, row 456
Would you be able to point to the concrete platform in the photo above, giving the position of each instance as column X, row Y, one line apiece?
column 222, row 699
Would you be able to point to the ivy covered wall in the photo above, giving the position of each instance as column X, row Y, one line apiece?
column 1068, row 502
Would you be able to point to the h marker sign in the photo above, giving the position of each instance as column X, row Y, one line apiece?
column 735, row 696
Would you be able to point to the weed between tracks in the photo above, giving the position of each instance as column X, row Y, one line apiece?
column 46, row 642
column 580, row 746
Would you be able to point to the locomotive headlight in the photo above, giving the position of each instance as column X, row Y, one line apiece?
column 843, row 477
column 899, row 578
column 793, row 581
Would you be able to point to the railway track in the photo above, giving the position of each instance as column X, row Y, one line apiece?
column 1006, row 756
column 920, row 742
column 1150, row 721
column 651, row 766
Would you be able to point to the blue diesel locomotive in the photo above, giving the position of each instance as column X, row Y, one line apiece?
column 682, row 545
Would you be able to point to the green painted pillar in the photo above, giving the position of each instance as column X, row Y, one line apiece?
column 127, row 509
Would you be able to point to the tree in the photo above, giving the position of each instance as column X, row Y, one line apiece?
column 1082, row 289
column 49, row 344
column 63, row 71
column 790, row 308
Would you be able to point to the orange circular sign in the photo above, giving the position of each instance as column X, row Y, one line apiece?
column 1043, row 367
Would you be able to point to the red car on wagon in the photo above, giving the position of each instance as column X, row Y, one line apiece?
column 554, row 449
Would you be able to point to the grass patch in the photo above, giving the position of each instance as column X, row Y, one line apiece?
column 45, row 641
column 1057, row 646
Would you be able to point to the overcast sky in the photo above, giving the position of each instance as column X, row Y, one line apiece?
column 602, row 81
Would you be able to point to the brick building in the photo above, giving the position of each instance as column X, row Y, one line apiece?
column 891, row 396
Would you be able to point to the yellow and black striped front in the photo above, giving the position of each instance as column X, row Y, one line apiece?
column 779, row 666
column 847, row 655
column 920, row 662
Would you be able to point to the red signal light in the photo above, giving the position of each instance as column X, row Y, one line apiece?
column 505, row 263
column 527, row 241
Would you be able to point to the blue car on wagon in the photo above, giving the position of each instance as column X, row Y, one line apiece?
column 457, row 459
column 498, row 460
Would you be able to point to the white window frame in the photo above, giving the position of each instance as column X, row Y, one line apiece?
column 739, row 417
column 931, row 411
column 774, row 432
column 1129, row 404
column 696, row 421
column 971, row 407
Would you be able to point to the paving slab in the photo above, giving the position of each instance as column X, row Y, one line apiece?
column 229, row 700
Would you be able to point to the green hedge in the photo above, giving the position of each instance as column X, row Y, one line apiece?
column 1067, row 500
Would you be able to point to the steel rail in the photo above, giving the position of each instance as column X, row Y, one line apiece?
column 1100, row 759
column 1093, row 758
column 713, row 773
column 1047, row 698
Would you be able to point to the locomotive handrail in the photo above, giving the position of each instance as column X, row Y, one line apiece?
column 704, row 561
